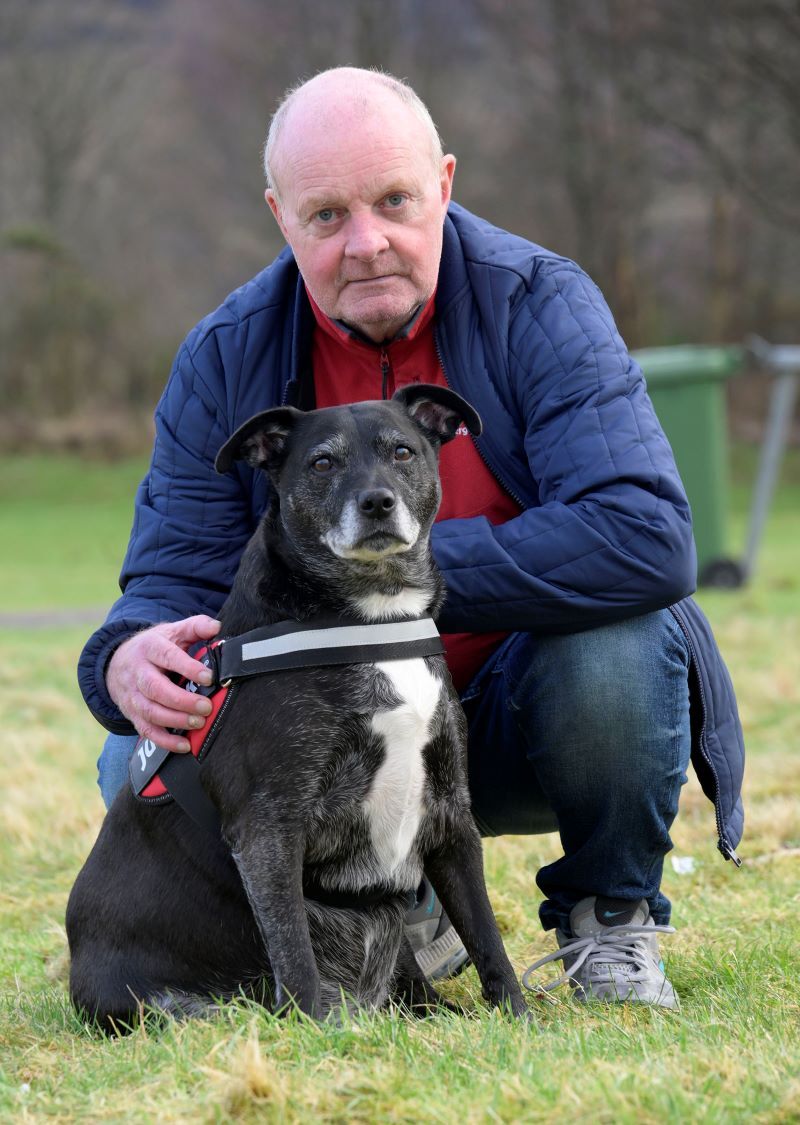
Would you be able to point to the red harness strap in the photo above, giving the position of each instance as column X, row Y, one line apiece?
column 148, row 760
column 197, row 740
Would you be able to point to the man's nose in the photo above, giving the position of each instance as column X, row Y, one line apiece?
column 365, row 237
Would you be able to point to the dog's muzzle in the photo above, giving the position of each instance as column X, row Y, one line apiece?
column 373, row 524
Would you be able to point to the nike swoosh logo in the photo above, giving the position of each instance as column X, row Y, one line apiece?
column 613, row 913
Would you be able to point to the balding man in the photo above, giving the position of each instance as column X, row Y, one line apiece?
column 588, row 676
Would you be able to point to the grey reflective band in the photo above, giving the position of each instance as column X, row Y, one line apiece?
column 321, row 642
column 345, row 636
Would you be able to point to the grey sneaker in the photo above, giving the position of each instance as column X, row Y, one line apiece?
column 612, row 954
column 437, row 947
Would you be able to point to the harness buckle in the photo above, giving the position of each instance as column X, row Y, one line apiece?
column 211, row 660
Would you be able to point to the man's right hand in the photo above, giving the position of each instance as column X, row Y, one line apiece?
column 138, row 683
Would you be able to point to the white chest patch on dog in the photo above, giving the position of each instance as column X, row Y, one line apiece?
column 394, row 804
column 377, row 607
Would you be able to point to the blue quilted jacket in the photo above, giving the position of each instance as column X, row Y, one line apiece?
column 569, row 431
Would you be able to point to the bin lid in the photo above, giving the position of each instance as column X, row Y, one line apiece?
column 689, row 363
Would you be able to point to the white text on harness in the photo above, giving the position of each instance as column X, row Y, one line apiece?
column 145, row 751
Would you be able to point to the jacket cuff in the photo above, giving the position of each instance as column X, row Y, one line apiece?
column 92, row 666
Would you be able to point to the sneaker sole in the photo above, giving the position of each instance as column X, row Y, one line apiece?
column 444, row 957
column 667, row 998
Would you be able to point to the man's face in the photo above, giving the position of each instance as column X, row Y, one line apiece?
column 362, row 205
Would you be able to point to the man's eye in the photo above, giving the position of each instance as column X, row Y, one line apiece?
column 322, row 464
column 403, row 453
column 396, row 199
column 326, row 215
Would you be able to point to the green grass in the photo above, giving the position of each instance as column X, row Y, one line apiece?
column 731, row 1055
column 64, row 525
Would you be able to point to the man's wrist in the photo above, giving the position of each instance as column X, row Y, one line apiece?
column 92, row 668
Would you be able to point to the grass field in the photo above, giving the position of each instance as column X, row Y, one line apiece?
column 732, row 1054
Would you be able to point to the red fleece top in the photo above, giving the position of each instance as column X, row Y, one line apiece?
column 350, row 369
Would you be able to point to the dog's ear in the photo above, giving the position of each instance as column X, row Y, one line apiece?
column 260, row 440
column 438, row 410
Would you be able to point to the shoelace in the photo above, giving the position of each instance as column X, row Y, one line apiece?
column 619, row 945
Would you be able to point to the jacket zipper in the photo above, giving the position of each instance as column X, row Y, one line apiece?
column 726, row 849
column 497, row 476
column 386, row 370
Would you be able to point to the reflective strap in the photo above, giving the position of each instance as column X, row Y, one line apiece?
column 297, row 645
column 347, row 636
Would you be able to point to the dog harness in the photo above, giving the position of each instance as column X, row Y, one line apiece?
column 158, row 775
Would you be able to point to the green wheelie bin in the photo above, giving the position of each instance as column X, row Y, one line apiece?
column 687, row 387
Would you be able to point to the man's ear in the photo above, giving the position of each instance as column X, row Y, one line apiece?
column 446, row 173
column 438, row 410
column 275, row 207
column 260, row 441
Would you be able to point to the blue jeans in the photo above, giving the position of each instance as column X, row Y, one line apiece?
column 586, row 734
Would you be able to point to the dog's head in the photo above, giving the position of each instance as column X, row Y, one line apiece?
column 360, row 480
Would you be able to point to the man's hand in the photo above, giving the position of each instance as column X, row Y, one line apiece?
column 137, row 681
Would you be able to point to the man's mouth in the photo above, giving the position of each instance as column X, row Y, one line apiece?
column 372, row 280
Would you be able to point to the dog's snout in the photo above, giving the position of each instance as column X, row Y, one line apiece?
column 377, row 503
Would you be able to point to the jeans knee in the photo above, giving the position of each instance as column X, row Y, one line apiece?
column 112, row 765
column 613, row 690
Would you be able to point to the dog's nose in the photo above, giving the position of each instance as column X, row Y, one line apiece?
column 376, row 503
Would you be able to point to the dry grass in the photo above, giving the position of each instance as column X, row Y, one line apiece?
column 732, row 1054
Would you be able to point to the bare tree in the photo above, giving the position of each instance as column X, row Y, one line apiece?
column 656, row 141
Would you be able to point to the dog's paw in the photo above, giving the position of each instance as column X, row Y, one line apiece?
column 517, row 1008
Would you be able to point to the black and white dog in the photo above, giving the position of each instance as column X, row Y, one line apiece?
column 335, row 785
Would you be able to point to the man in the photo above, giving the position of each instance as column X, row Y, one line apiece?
column 564, row 535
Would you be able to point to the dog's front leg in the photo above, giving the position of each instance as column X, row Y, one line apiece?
column 456, row 873
column 270, row 863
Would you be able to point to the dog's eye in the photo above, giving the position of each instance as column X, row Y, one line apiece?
column 322, row 464
column 403, row 453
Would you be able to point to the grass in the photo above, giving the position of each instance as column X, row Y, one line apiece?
column 64, row 525
column 732, row 1054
